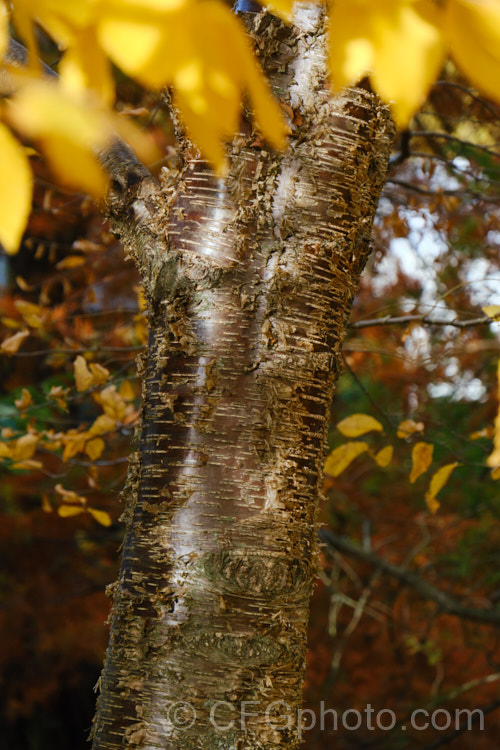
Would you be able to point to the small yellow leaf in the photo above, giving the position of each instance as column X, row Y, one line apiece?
column 15, row 189
column 70, row 261
column 94, row 448
column 83, row 376
column 59, row 394
column 46, row 506
column 126, row 391
column 11, row 344
column 432, row 504
column 73, row 444
column 34, row 315
column 69, row 496
column 25, row 400
column 421, row 457
column 384, row 456
column 65, row 511
column 438, row 480
column 25, row 447
column 112, row 403
column 28, row 465
column 99, row 373
column 486, row 432
column 103, row 424
column 10, row 322
column 407, row 427
column 100, row 516
column 492, row 311
column 340, row 458
column 358, row 424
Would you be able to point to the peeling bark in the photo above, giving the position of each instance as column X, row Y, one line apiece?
column 249, row 282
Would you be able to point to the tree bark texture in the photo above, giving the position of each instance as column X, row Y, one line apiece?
column 250, row 281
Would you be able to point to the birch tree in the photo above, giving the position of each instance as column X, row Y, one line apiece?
column 249, row 281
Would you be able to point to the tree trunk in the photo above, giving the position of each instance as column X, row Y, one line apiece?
column 249, row 282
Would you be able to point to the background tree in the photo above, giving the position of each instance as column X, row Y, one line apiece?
column 112, row 405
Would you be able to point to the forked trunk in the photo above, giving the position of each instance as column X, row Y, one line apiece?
column 248, row 300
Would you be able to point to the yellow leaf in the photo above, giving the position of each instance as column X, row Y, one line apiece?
column 495, row 473
column 73, row 444
column 28, row 465
column 69, row 496
column 94, row 448
column 71, row 131
column 421, row 457
column 368, row 37
column 282, row 8
column 112, row 403
column 34, row 315
column 358, row 424
column 25, row 447
column 46, row 506
column 438, row 480
column 10, row 322
column 432, row 504
column 65, row 511
column 70, row 261
column 100, row 516
column 85, row 66
column 59, row 393
column 5, row 450
column 104, row 423
column 493, row 459
column 407, row 427
column 76, row 165
column 473, row 30
column 15, row 190
column 384, row 456
column 200, row 49
column 25, row 400
column 83, row 376
column 99, row 373
column 11, row 344
column 492, row 311
column 486, row 432
column 340, row 458
column 126, row 391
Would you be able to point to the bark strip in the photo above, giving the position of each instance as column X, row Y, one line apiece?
column 249, row 295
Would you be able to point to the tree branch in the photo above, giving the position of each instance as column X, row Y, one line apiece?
column 447, row 604
column 389, row 320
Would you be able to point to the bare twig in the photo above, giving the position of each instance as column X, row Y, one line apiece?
column 390, row 320
column 447, row 604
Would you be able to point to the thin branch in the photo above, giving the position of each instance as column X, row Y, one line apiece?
column 389, row 320
column 447, row 604
column 454, row 139
column 374, row 404
column 425, row 191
